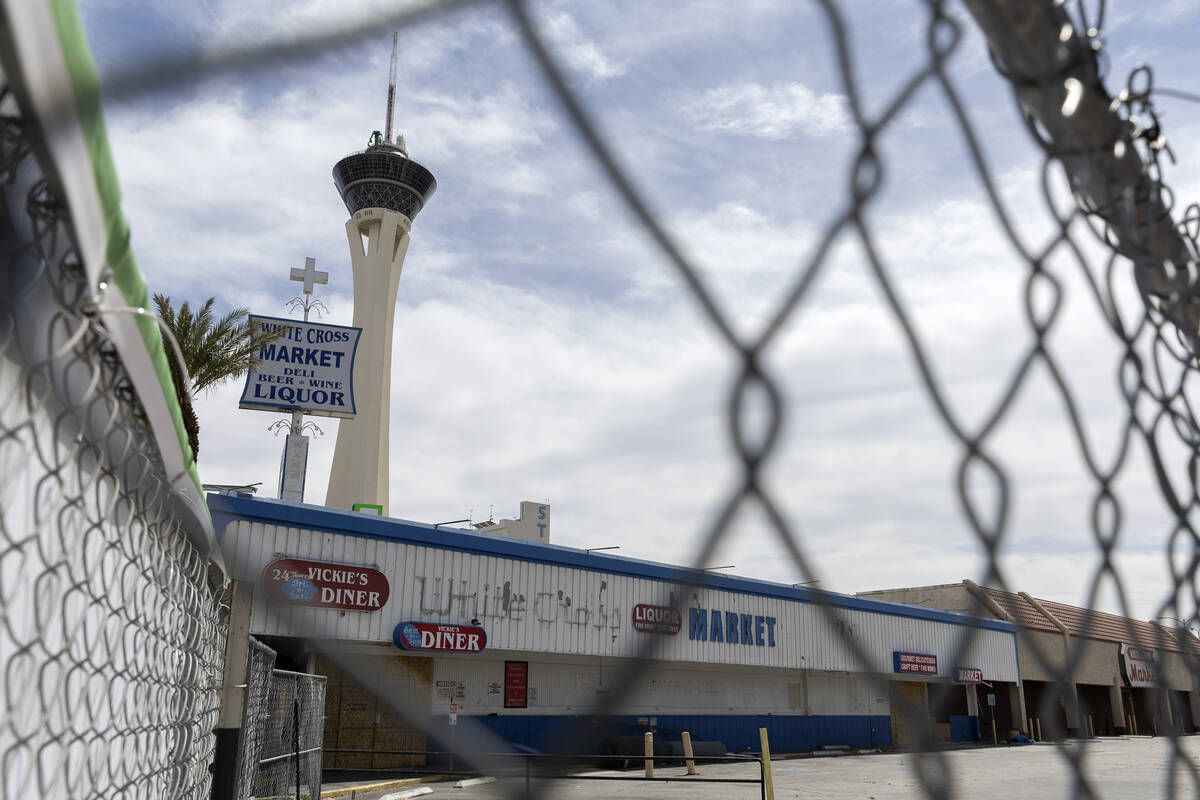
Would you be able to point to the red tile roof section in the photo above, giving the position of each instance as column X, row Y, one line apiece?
column 1091, row 624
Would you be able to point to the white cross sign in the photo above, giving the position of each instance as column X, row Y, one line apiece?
column 310, row 275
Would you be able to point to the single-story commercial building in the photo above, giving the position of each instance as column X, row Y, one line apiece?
column 1123, row 675
column 531, row 639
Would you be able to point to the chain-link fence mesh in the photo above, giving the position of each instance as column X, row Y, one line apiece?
column 1114, row 226
column 256, row 712
column 110, row 620
column 287, row 733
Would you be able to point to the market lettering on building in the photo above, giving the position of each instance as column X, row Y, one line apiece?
column 321, row 584
column 968, row 675
column 914, row 663
column 442, row 638
column 1139, row 665
column 657, row 619
column 707, row 625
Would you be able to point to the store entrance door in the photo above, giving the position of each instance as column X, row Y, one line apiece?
column 909, row 712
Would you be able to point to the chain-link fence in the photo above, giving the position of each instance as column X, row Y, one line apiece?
column 1118, row 232
column 256, row 714
column 288, row 734
column 110, row 620
column 1103, row 153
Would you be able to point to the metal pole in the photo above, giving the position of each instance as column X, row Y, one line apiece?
column 1055, row 75
column 296, row 735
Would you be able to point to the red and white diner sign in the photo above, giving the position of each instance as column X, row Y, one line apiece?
column 914, row 663
column 656, row 619
column 323, row 584
column 436, row 636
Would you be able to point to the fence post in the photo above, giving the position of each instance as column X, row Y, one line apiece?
column 649, row 753
column 768, row 781
column 687, row 753
column 296, row 735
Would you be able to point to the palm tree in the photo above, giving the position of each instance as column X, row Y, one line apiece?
column 214, row 351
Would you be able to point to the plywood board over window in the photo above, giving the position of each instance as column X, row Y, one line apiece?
column 357, row 719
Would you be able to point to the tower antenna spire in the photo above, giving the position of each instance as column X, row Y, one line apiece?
column 387, row 134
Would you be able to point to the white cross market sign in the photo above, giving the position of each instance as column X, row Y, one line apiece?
column 310, row 368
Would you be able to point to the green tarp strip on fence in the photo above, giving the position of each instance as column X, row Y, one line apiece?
column 119, row 253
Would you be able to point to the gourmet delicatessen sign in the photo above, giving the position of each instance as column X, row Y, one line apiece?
column 323, row 584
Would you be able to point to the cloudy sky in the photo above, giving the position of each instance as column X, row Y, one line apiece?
column 546, row 349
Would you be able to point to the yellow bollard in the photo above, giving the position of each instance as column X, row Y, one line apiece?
column 1091, row 728
column 1032, row 735
column 768, row 781
column 995, row 738
column 687, row 754
column 1038, row 720
column 649, row 739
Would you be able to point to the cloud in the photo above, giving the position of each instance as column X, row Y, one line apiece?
column 545, row 349
column 777, row 111
column 578, row 51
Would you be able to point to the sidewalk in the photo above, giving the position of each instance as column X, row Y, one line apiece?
column 351, row 790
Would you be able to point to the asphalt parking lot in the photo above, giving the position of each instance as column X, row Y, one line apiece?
column 1118, row 769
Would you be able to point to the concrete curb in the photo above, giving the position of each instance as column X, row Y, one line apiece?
column 408, row 793
column 399, row 783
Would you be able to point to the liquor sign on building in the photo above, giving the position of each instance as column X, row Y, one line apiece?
column 323, row 584
column 1139, row 665
column 310, row 368
column 914, row 663
column 657, row 619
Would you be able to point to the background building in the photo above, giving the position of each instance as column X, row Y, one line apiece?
column 383, row 190
column 532, row 523
column 1125, row 676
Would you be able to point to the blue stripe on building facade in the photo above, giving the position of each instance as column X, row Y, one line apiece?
column 586, row 735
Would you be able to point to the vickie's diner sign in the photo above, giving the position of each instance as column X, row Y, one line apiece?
column 323, row 584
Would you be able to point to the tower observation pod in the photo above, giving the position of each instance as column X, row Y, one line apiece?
column 383, row 190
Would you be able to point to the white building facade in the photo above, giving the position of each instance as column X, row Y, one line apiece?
column 562, row 630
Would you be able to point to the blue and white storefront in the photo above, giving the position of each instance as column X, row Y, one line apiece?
column 557, row 629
